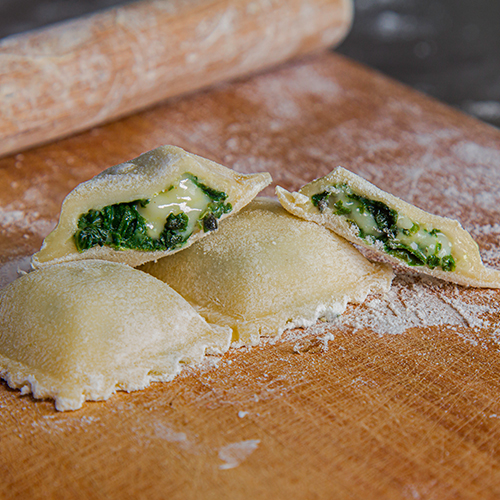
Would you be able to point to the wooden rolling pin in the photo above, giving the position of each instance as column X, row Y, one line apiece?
column 78, row 74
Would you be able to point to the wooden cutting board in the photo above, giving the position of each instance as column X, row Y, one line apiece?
column 397, row 400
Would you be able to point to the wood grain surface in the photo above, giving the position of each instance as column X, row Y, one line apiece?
column 396, row 400
column 81, row 73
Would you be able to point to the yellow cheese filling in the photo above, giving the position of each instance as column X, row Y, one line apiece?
column 385, row 228
column 165, row 221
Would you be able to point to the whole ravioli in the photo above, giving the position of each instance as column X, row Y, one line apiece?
column 133, row 186
column 266, row 270
column 83, row 330
column 460, row 260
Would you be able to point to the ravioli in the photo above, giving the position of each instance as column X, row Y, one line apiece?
column 83, row 330
column 265, row 271
column 364, row 214
column 147, row 208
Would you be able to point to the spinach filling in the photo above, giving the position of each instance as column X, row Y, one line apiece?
column 216, row 208
column 399, row 236
column 121, row 226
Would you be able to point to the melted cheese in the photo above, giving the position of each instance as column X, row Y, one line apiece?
column 185, row 197
column 420, row 239
column 361, row 217
column 424, row 241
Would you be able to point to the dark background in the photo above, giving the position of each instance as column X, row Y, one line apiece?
column 449, row 49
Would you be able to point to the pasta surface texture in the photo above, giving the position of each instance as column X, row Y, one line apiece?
column 265, row 271
column 83, row 330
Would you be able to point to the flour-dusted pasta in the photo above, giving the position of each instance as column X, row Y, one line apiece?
column 366, row 215
column 266, row 270
column 82, row 330
column 146, row 208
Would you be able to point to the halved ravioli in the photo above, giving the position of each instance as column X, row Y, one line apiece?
column 364, row 214
column 83, row 330
column 146, row 208
column 266, row 270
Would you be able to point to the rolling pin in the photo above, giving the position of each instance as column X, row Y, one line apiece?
column 75, row 75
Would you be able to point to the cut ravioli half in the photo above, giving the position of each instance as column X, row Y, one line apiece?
column 146, row 208
column 265, row 271
column 364, row 214
column 83, row 330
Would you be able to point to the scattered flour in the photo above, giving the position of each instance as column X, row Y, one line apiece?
column 487, row 229
column 473, row 154
column 278, row 95
column 13, row 269
column 421, row 302
column 491, row 257
column 164, row 432
column 318, row 343
column 55, row 424
column 235, row 453
column 12, row 219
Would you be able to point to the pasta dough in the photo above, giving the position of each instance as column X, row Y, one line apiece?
column 146, row 208
column 368, row 216
column 265, row 271
column 82, row 330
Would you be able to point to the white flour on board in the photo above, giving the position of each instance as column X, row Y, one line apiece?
column 416, row 301
column 235, row 453
column 12, row 219
column 59, row 424
column 13, row 269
